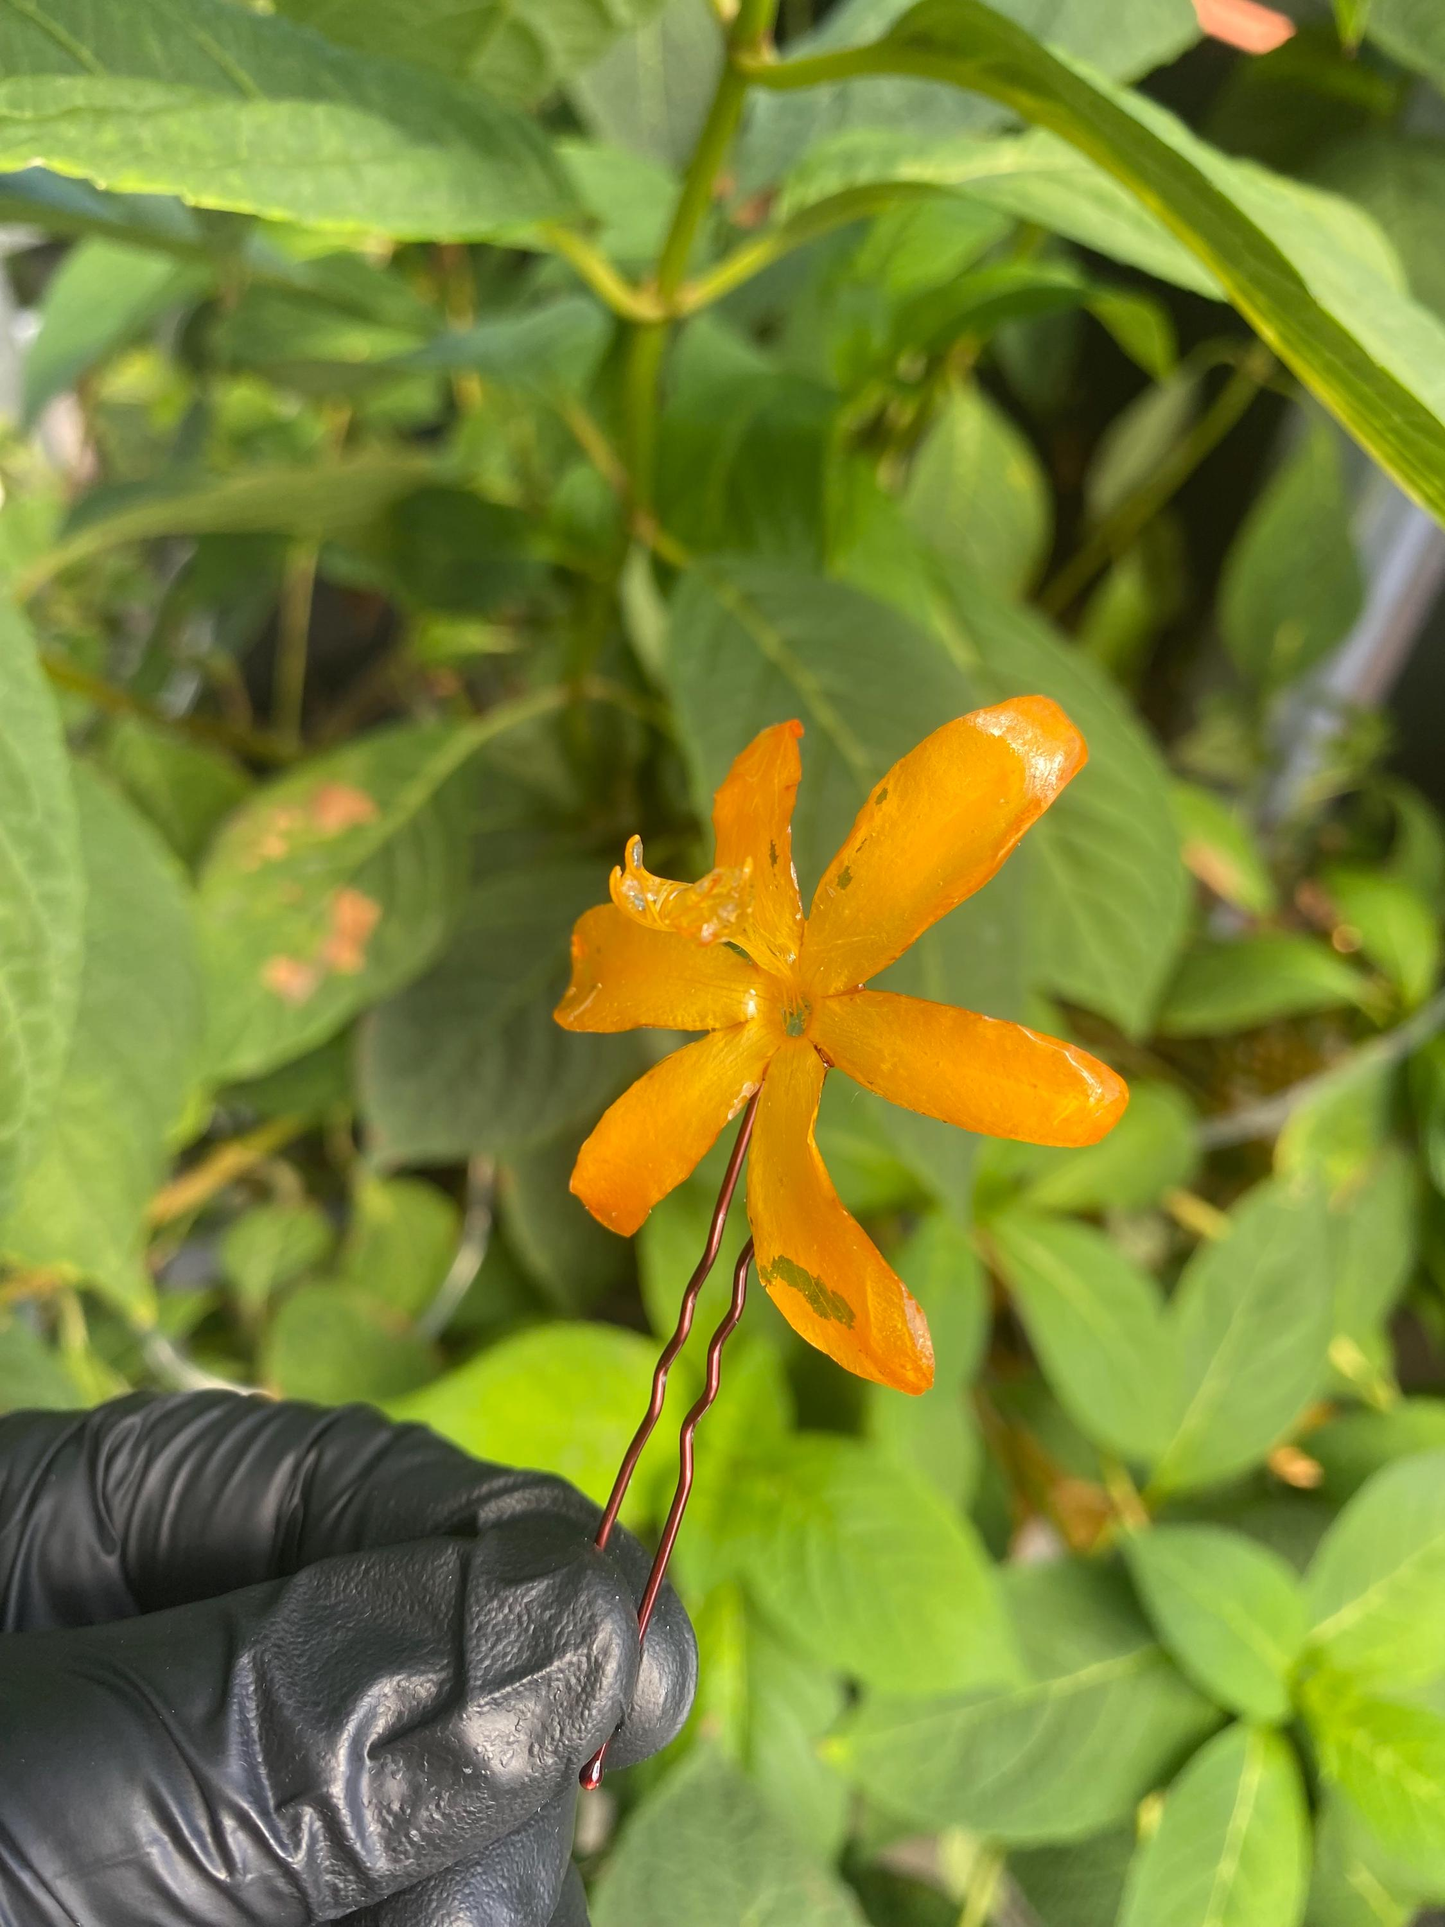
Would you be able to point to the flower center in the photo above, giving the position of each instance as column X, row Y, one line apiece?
column 796, row 1013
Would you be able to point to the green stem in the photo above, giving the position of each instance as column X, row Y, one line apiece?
column 293, row 632
column 612, row 288
column 253, row 744
column 1119, row 531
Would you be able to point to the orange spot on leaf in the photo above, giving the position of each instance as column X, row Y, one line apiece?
column 291, row 980
column 354, row 916
column 1244, row 24
column 341, row 806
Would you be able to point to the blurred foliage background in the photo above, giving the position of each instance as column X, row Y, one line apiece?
column 437, row 436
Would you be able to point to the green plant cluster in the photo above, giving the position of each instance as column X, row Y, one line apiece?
column 452, row 431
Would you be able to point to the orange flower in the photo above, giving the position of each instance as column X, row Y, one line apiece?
column 782, row 1002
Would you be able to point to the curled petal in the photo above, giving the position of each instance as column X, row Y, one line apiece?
column 625, row 975
column 752, row 818
column 654, row 1135
column 707, row 911
column 932, row 832
column 977, row 1072
column 820, row 1267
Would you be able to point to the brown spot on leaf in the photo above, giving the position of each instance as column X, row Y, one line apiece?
column 291, row 980
column 342, row 806
column 354, row 916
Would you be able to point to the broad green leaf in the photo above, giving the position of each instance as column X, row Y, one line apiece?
column 331, row 1343
column 1139, row 439
column 1222, row 850
column 1140, row 35
column 42, row 890
column 331, row 497
column 765, row 1707
column 650, row 93
column 1152, row 1149
column 1351, row 17
column 1227, row 986
column 629, row 196
column 870, row 1571
column 400, row 1242
column 468, row 1059
column 1351, row 1881
column 935, row 1434
column 1233, row 1844
column 231, row 109
column 1399, row 179
column 132, row 1060
column 1388, row 1759
column 550, row 348
column 1109, row 892
column 977, row 494
column 1097, row 1323
column 515, row 54
column 1373, row 357
column 329, row 889
column 185, row 788
column 1377, row 1581
column 1291, row 586
column 1253, row 1314
column 1412, row 32
column 71, row 207
column 101, row 297
column 1375, row 1235
column 708, row 1848
column 1341, row 1125
column 1395, row 927
column 754, row 643
column 563, row 1398
column 1078, row 1885
column 1229, row 1610
column 272, row 1245
column 32, row 1376
column 1102, row 1719
column 573, row 1260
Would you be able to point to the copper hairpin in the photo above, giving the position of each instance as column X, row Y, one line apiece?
column 591, row 1775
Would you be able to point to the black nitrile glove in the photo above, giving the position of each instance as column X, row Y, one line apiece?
column 264, row 1665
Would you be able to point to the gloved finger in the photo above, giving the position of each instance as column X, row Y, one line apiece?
column 518, row 1882
column 304, row 1749
column 571, row 1908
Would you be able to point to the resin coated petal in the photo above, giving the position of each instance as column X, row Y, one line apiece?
column 933, row 831
column 709, row 910
column 752, row 818
column 625, row 976
column 654, row 1135
column 980, row 1073
column 821, row 1269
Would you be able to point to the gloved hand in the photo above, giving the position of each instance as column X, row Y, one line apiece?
column 264, row 1665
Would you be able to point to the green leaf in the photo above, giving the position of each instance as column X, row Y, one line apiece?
column 1354, row 1444
column 707, row 1848
column 1078, row 1885
column 935, row 1434
column 1230, row 1611
column 1152, row 1149
column 1253, row 1315
column 1398, row 178
column 1097, row 1323
column 1352, row 1882
column 1227, row 986
column 1139, row 439
column 1233, row 1845
column 1222, row 850
column 42, row 890
column 273, row 1245
column 552, row 348
column 1412, row 32
column 518, row 56
column 101, row 297
column 1109, row 891
column 331, row 1344
column 469, row 1060
column 329, row 889
column 869, row 1570
column 571, row 1257
column 132, row 1060
column 1376, row 1583
column 184, row 788
column 765, row 1707
column 1291, row 586
column 650, row 93
column 1371, row 356
column 1388, row 1759
column 1374, row 1232
column 1103, row 1717
column 563, row 1398
column 400, row 1242
column 231, row 109
column 977, row 494
column 1352, row 17
column 32, row 1377
column 1395, row 927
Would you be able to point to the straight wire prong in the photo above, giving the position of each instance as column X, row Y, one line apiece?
column 591, row 1775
